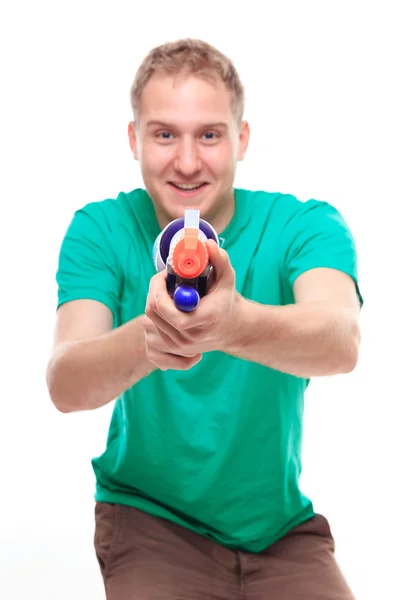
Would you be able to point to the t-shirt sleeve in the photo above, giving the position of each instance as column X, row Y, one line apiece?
column 317, row 235
column 87, row 265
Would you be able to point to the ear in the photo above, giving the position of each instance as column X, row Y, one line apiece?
column 133, row 139
column 244, row 138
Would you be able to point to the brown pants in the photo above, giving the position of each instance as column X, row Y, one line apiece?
column 146, row 558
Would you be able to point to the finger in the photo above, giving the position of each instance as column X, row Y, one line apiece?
column 157, row 287
column 170, row 338
column 177, row 341
column 180, row 321
column 165, row 361
column 163, row 326
column 158, row 340
column 184, row 362
column 219, row 258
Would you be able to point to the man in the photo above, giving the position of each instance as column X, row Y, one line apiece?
column 197, row 491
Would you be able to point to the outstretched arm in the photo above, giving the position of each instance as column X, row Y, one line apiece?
column 318, row 335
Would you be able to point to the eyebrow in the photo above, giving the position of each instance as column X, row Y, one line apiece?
column 171, row 126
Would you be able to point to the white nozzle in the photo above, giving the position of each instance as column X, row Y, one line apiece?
column 192, row 218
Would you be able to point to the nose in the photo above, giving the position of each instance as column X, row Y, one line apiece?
column 187, row 159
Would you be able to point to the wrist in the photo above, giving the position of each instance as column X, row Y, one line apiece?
column 146, row 366
column 238, row 327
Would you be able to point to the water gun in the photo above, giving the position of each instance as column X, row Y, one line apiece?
column 181, row 249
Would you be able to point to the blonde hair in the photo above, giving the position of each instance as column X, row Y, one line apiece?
column 189, row 57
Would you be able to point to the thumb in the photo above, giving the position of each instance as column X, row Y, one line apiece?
column 219, row 258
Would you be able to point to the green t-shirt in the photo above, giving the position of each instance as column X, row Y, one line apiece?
column 217, row 448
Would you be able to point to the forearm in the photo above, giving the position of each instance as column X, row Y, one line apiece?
column 304, row 340
column 87, row 374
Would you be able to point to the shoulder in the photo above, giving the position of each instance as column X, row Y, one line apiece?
column 106, row 216
column 109, row 209
column 295, row 213
column 286, row 211
column 286, row 203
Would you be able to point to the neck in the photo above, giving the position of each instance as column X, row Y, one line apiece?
column 222, row 214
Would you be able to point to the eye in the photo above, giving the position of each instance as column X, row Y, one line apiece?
column 211, row 136
column 164, row 135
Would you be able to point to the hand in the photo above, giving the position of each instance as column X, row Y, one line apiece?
column 160, row 355
column 211, row 326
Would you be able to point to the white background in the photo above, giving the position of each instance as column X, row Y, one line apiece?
column 323, row 106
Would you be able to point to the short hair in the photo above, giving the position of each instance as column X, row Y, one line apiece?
column 189, row 57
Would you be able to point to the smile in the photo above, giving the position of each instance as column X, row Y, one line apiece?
column 187, row 189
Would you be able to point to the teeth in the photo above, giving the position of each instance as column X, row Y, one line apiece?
column 188, row 187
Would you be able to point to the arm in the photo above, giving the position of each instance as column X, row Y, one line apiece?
column 91, row 364
column 318, row 335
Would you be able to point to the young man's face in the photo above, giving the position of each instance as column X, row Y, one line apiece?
column 188, row 135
